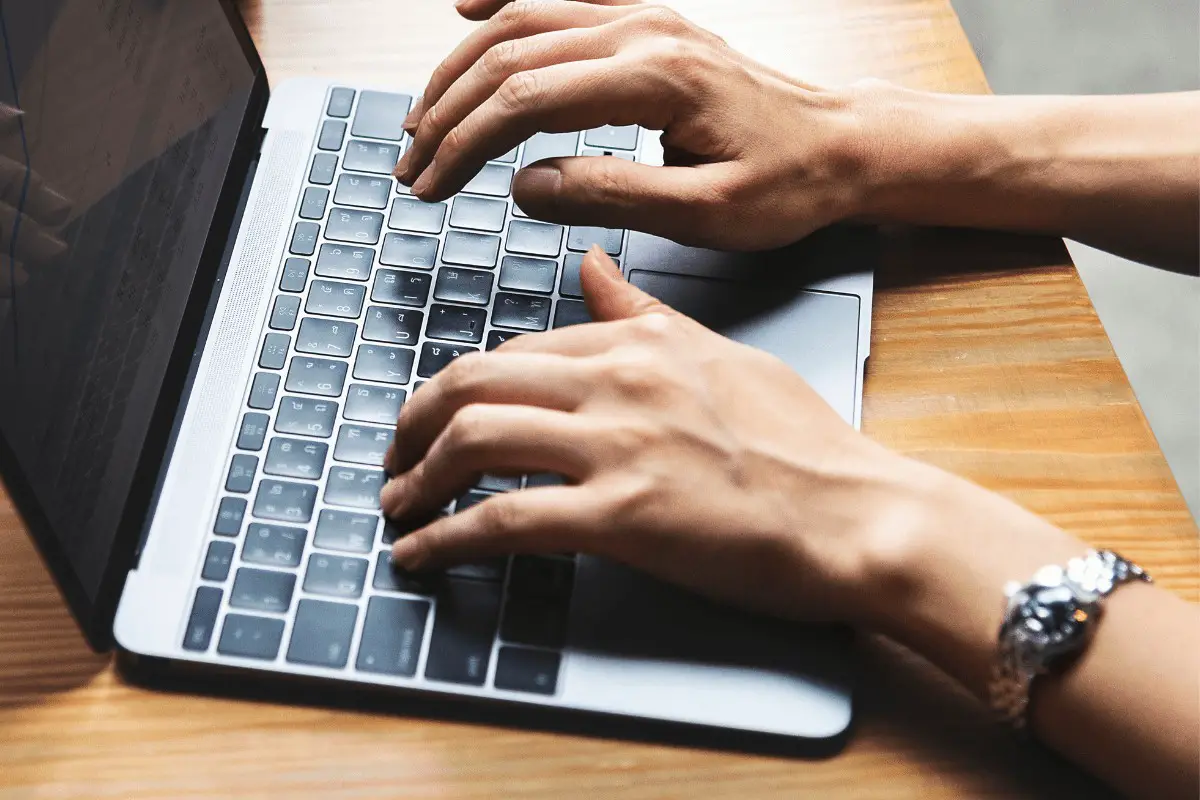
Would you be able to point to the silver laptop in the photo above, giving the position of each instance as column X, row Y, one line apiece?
column 227, row 302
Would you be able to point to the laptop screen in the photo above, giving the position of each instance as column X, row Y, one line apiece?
column 118, row 126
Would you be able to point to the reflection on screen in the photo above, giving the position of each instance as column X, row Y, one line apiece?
column 118, row 119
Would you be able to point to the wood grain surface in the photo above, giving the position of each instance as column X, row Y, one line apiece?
column 987, row 359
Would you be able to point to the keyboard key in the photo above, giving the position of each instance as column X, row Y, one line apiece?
column 253, row 431
column 384, row 364
column 394, row 325
column 542, row 577
column 229, row 516
column 456, row 323
column 527, row 274
column 581, row 239
column 340, row 101
column 324, row 166
column 410, row 214
column 295, row 458
column 541, row 479
column 345, row 530
column 307, row 416
column 549, row 145
column 283, row 313
column 380, row 115
column 217, row 561
column 312, row 204
column 304, row 238
column 571, row 285
column 332, row 134
column 611, row 137
column 274, row 351
column 336, row 576
column 463, row 628
column 392, row 636
column 378, row 404
column 469, row 499
column 500, row 483
column 521, row 670
column 534, row 238
column 295, row 275
column 374, row 157
column 321, row 376
column 350, row 225
column 321, row 633
column 408, row 250
column 570, row 312
column 241, row 474
column 478, row 214
column 326, row 337
column 203, row 619
column 457, row 285
column 262, row 590
column 493, row 180
column 250, row 637
column 401, row 288
column 497, row 338
column 273, row 545
column 360, row 444
column 335, row 299
column 345, row 261
column 521, row 311
column 618, row 153
column 363, row 190
column 471, row 249
column 535, row 621
column 435, row 357
column 490, row 570
column 389, row 578
column 357, row 488
column 285, row 502
column 508, row 158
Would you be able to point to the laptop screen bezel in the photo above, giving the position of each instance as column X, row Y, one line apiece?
column 95, row 614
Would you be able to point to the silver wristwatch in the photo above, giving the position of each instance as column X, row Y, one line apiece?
column 1050, row 620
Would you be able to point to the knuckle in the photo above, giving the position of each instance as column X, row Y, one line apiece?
column 501, row 59
column 653, row 327
column 467, row 429
column 521, row 90
column 635, row 372
column 664, row 19
column 516, row 15
column 500, row 515
column 432, row 121
column 606, row 179
column 460, row 380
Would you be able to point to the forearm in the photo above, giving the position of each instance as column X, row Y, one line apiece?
column 1128, row 710
column 1120, row 173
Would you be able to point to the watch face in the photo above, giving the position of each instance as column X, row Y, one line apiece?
column 1054, row 620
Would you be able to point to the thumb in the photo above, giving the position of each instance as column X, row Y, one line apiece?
column 610, row 192
column 608, row 295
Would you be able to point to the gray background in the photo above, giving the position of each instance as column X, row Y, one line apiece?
column 1112, row 47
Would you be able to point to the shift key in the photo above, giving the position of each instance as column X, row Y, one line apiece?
column 463, row 629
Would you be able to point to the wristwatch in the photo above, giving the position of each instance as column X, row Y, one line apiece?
column 1049, row 621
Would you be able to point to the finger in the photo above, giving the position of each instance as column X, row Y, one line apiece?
column 533, row 379
column 621, row 90
column 553, row 519
column 484, row 78
column 12, row 275
column 492, row 438
column 41, row 202
column 614, row 193
column 483, row 9
column 609, row 296
column 517, row 21
column 34, row 243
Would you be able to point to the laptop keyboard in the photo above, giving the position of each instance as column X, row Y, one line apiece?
column 377, row 292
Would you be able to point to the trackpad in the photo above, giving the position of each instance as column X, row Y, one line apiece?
column 815, row 333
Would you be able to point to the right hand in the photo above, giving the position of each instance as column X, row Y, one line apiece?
column 28, row 206
column 754, row 159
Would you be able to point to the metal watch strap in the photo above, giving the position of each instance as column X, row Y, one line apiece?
column 1019, row 661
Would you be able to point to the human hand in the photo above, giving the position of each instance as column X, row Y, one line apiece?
column 754, row 160
column 30, row 210
column 696, row 459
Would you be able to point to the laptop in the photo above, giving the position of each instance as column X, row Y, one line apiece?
column 216, row 301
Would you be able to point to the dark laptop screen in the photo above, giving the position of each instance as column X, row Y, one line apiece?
column 118, row 124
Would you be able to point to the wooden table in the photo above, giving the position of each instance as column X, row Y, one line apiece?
column 988, row 359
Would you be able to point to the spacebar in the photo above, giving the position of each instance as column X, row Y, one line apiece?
column 463, row 629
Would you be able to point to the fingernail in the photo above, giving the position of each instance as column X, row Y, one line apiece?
column 539, row 181
column 414, row 116
column 406, row 553
column 401, row 169
column 391, row 497
column 426, row 179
